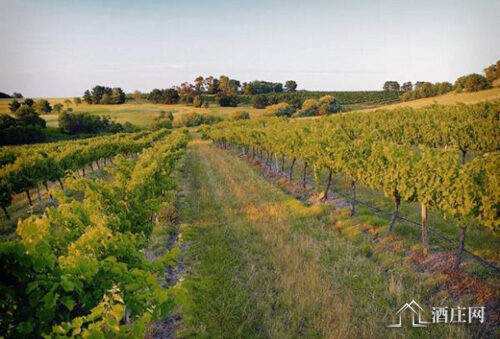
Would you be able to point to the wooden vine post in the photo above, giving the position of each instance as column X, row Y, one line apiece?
column 425, row 236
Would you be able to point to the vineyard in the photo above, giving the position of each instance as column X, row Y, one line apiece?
column 79, row 269
column 444, row 158
column 345, row 98
column 26, row 167
column 186, row 234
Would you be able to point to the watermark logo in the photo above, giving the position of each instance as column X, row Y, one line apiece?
column 456, row 315
column 415, row 310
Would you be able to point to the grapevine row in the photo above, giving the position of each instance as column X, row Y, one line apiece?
column 466, row 128
column 80, row 269
column 9, row 154
column 39, row 164
column 434, row 177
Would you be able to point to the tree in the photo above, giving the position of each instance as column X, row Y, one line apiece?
column 185, row 89
column 225, row 100
column 407, row 86
column 43, row 106
column 224, row 85
column 491, row 73
column 14, row 105
column 87, row 97
column 155, row 96
column 472, row 83
column 228, row 86
column 427, row 90
column 58, row 107
column 29, row 116
column 17, row 95
column 260, row 101
column 443, row 87
column 73, row 123
column 262, row 87
column 77, row 101
column 391, row 86
column 28, row 102
column 117, row 96
column 98, row 92
column 199, row 86
column 14, row 131
column 137, row 95
column 105, row 99
column 291, row 86
column 164, row 96
column 419, row 84
column 235, row 85
column 67, row 102
column 211, row 85
column 170, row 96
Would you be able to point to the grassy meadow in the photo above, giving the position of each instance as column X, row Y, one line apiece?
column 140, row 113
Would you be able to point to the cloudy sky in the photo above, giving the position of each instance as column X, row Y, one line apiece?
column 56, row 48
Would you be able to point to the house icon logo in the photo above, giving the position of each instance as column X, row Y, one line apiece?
column 415, row 310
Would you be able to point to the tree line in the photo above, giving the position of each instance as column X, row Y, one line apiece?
column 223, row 91
column 104, row 95
column 468, row 83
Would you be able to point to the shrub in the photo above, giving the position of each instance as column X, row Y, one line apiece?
column 28, row 116
column 16, row 131
column 279, row 110
column 159, row 124
column 14, row 105
column 43, row 106
column 58, row 108
column 444, row 87
column 197, row 101
column 427, row 90
column 407, row 96
column 260, row 101
column 163, row 120
column 472, row 83
column 328, row 105
column 309, row 108
column 227, row 100
column 193, row 119
column 74, row 123
column 164, row 96
column 104, row 95
column 239, row 115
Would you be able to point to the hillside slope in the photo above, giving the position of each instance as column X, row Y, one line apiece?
column 448, row 99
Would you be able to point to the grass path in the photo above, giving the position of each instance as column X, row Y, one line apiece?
column 261, row 264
